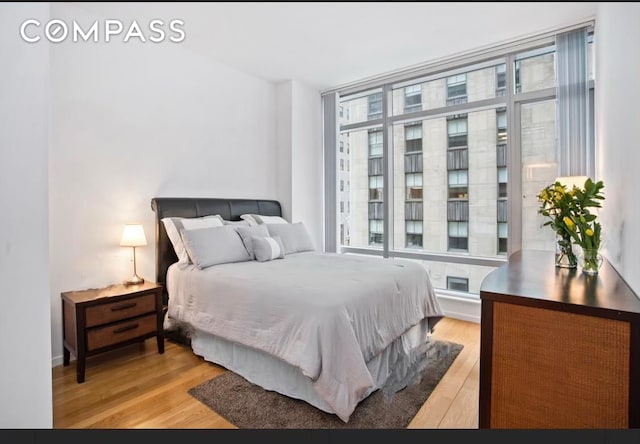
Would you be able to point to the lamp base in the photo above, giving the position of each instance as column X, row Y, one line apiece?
column 135, row 280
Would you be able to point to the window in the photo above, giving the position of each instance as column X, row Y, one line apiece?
column 457, row 131
column 412, row 98
column 457, row 283
column 458, row 184
column 458, row 235
column 342, row 146
column 341, row 206
column 342, row 185
column 376, row 231
column 341, row 164
column 375, row 143
column 501, row 79
column 502, row 182
column 414, row 186
column 375, row 187
column 502, row 237
column 413, row 137
column 374, row 106
column 447, row 156
column 413, row 233
column 457, row 89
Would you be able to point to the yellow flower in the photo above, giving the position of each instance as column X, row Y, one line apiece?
column 589, row 232
column 569, row 223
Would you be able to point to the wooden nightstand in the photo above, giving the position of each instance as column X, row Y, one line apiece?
column 102, row 319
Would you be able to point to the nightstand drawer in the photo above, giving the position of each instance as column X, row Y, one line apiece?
column 120, row 332
column 115, row 311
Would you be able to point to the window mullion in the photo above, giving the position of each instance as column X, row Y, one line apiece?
column 387, row 150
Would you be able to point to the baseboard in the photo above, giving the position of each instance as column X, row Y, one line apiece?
column 56, row 361
column 457, row 307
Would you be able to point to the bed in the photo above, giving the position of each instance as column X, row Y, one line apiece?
column 325, row 328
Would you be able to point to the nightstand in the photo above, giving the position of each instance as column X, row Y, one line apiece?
column 102, row 319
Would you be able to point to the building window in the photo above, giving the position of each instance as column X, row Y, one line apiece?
column 341, row 146
column 458, row 235
column 458, row 184
column 341, row 234
column 412, row 98
column 413, row 233
column 413, row 137
column 502, row 237
column 375, row 187
column 502, row 182
column 457, row 89
column 341, row 164
column 375, row 143
column 376, row 231
column 501, row 80
column 413, row 163
column 341, row 185
column 414, row 186
column 457, row 131
column 341, row 111
column 342, row 207
column 501, row 121
column 374, row 106
column 457, row 283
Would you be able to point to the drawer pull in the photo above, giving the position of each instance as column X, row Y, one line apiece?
column 127, row 328
column 124, row 306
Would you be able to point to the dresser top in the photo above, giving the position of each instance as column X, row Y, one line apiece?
column 531, row 278
column 92, row 294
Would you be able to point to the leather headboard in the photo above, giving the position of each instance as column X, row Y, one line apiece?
column 229, row 209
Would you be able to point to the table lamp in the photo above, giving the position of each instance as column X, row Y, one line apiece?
column 133, row 236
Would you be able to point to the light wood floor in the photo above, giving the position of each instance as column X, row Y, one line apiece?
column 135, row 387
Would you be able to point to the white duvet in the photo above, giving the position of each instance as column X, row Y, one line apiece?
column 327, row 314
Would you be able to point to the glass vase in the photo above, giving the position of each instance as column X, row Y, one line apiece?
column 590, row 260
column 565, row 257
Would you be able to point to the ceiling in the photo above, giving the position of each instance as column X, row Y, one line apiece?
column 329, row 44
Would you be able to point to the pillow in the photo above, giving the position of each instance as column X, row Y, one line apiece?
column 248, row 233
column 213, row 246
column 295, row 237
column 258, row 219
column 173, row 225
column 268, row 248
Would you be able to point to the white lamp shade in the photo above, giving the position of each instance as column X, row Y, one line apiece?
column 571, row 181
column 133, row 236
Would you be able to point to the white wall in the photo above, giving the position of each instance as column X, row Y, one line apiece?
column 25, row 372
column 307, row 161
column 616, row 115
column 300, row 158
column 131, row 121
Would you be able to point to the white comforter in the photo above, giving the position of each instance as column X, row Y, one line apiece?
column 327, row 314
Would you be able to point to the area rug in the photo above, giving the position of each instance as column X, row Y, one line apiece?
column 249, row 406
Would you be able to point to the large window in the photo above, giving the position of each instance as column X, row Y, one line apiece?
column 437, row 166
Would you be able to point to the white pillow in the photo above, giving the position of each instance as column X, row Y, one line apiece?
column 249, row 233
column 295, row 237
column 213, row 246
column 173, row 225
column 268, row 248
column 258, row 219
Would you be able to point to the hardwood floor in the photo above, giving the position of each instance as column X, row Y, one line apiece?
column 135, row 387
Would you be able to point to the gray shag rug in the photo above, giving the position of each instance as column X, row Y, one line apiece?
column 248, row 406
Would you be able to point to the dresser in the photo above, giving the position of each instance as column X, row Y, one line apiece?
column 559, row 348
column 102, row 319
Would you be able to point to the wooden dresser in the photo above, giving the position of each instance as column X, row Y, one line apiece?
column 559, row 348
column 101, row 319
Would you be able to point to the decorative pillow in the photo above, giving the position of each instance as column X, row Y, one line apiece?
column 268, row 248
column 213, row 246
column 173, row 225
column 295, row 237
column 248, row 233
column 258, row 219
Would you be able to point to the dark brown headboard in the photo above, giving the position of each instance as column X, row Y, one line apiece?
column 229, row 209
